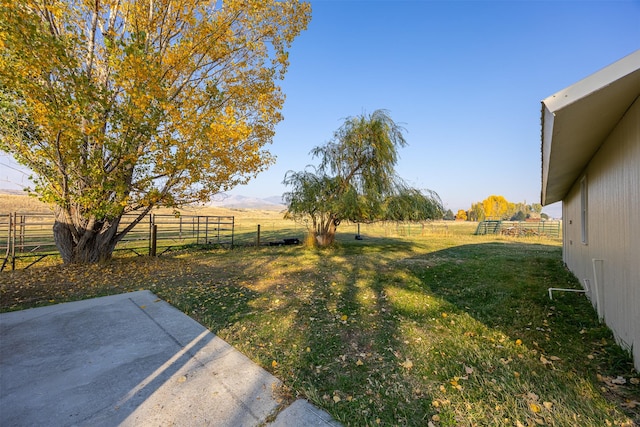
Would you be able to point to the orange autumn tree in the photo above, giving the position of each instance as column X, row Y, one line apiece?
column 122, row 105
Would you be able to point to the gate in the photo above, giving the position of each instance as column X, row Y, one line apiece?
column 29, row 236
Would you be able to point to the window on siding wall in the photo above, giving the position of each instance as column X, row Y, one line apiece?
column 584, row 214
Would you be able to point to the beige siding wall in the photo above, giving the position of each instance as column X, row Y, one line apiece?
column 613, row 188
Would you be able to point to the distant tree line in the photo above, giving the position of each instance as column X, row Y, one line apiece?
column 498, row 208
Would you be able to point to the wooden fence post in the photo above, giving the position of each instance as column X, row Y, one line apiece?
column 154, row 235
column 258, row 237
column 12, row 239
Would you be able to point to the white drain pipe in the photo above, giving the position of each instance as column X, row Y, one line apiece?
column 597, row 270
column 582, row 291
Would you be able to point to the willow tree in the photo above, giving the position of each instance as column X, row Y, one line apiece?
column 122, row 105
column 356, row 180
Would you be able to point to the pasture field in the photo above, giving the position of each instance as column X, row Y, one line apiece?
column 413, row 325
column 21, row 203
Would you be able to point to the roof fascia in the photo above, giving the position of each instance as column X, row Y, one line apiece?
column 593, row 83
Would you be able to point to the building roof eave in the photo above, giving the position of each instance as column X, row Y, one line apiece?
column 576, row 120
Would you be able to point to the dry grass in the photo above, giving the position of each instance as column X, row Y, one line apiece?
column 10, row 203
column 25, row 203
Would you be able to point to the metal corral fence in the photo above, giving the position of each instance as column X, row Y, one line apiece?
column 29, row 236
column 521, row 228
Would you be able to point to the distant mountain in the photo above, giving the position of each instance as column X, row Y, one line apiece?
column 222, row 200
column 243, row 202
column 12, row 192
column 276, row 200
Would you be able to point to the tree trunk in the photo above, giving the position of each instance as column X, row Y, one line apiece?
column 81, row 240
column 326, row 233
column 325, row 238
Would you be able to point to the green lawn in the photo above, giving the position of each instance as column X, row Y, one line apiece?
column 427, row 325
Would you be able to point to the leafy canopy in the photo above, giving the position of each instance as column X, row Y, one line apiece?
column 120, row 105
column 356, row 180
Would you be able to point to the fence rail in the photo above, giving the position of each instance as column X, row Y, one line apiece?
column 520, row 228
column 29, row 236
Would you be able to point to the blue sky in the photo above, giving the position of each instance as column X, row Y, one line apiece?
column 464, row 78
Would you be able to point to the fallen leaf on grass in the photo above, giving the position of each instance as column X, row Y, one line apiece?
column 546, row 361
column 407, row 364
column 359, row 363
column 632, row 404
column 619, row 380
column 535, row 407
column 454, row 383
column 612, row 383
column 547, row 405
column 532, row 396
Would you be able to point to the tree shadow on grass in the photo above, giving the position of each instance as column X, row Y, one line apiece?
column 508, row 339
column 382, row 329
column 354, row 366
column 372, row 335
column 321, row 321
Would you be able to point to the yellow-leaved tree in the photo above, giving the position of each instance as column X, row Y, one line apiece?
column 495, row 207
column 122, row 105
column 461, row 215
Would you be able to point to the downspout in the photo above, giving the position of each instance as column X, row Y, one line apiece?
column 597, row 271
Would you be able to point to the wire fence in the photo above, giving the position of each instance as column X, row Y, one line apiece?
column 27, row 238
column 520, row 228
